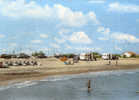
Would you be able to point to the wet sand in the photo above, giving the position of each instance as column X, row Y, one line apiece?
column 53, row 66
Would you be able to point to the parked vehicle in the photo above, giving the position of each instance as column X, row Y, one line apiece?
column 87, row 57
column 108, row 56
column 83, row 56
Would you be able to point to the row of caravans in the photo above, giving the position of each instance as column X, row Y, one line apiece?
column 91, row 57
column 108, row 56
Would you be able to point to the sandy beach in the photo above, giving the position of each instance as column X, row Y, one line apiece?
column 53, row 66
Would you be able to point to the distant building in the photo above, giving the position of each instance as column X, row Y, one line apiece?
column 129, row 54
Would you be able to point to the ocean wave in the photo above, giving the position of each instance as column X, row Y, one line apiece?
column 90, row 74
column 4, row 88
column 68, row 77
column 24, row 84
column 57, row 78
column 19, row 85
column 114, row 72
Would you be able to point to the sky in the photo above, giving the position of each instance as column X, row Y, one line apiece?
column 69, row 26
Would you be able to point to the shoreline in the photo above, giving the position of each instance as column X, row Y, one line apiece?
column 13, row 78
column 53, row 67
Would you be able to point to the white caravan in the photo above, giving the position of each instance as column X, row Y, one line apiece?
column 106, row 56
column 83, row 56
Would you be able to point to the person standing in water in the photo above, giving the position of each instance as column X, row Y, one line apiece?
column 89, row 86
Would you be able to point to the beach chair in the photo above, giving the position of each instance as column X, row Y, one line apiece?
column 20, row 63
column 10, row 63
column 27, row 63
column 15, row 63
column 24, row 63
column 31, row 63
column 35, row 63
column 3, row 65
column 38, row 63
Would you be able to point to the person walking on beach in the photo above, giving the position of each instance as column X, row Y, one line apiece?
column 116, row 62
column 109, row 59
column 117, row 58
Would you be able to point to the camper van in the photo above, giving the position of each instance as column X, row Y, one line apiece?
column 87, row 57
column 106, row 56
column 83, row 56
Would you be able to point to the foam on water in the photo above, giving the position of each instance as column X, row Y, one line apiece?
column 4, row 88
column 18, row 85
column 25, row 84
column 58, row 78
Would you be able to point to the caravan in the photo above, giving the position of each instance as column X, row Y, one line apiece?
column 106, row 56
column 87, row 57
column 83, row 56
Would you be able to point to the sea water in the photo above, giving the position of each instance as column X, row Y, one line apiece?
column 107, row 85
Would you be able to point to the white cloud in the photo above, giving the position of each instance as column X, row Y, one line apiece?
column 118, row 48
column 121, row 37
column 103, row 30
column 128, row 8
column 36, row 41
column 43, row 35
column 59, row 40
column 3, row 50
column 22, row 9
column 86, row 49
column 12, row 44
column 68, row 46
column 125, row 37
column 44, row 49
column 54, row 45
column 80, row 37
column 97, row 1
column 100, row 29
column 103, row 38
column 2, row 36
column 63, row 31
column 27, row 51
column 137, row 20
